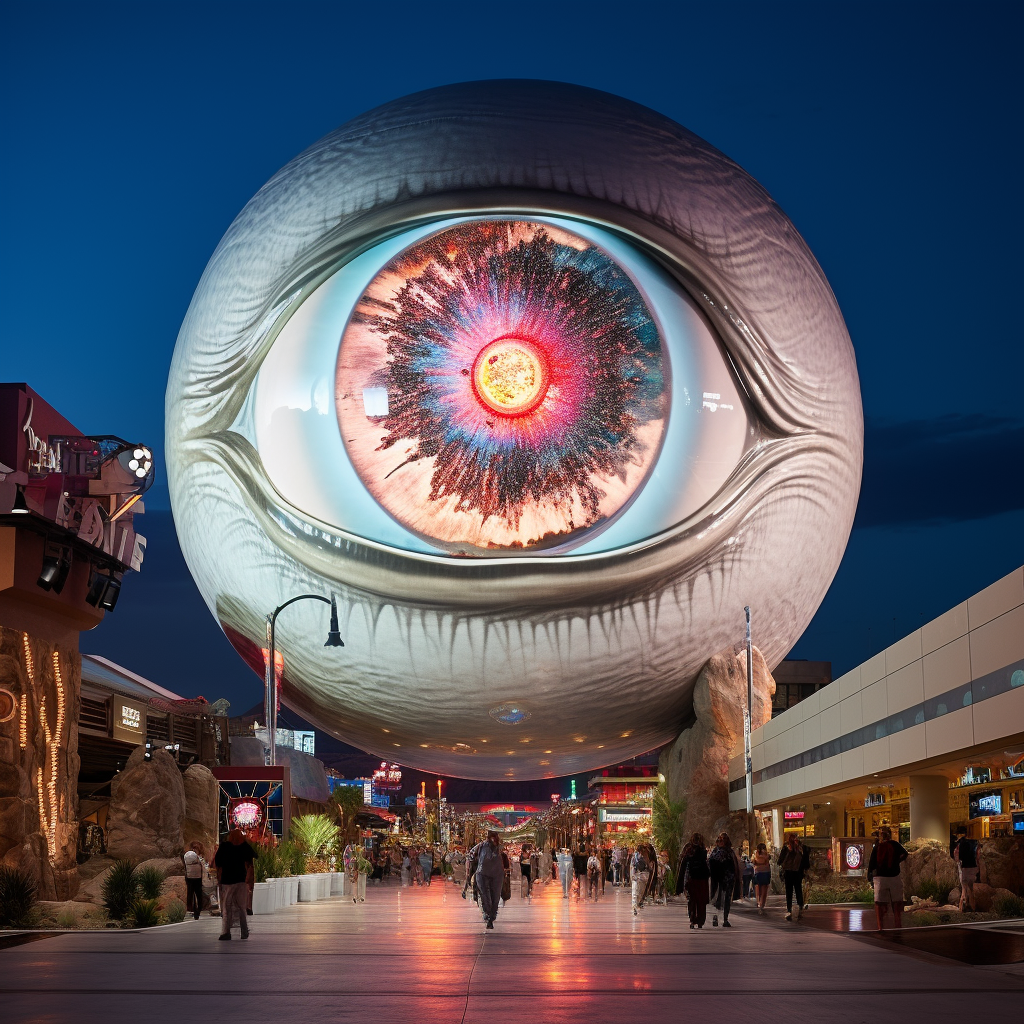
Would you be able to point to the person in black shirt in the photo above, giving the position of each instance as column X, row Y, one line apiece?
column 579, row 869
column 693, row 875
column 884, row 874
column 233, row 864
column 965, row 853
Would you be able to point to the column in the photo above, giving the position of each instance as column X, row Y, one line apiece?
column 929, row 807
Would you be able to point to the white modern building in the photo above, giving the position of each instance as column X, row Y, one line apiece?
column 925, row 736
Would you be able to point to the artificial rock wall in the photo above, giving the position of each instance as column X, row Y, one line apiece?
column 40, row 687
column 696, row 765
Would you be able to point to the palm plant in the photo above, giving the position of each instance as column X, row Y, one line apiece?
column 315, row 833
column 668, row 818
column 120, row 889
column 145, row 913
column 150, row 881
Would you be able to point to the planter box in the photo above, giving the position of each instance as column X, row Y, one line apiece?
column 324, row 891
column 280, row 892
column 309, row 887
column 337, row 883
column 293, row 889
column 264, row 898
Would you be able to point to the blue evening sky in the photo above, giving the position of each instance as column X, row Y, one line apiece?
column 889, row 132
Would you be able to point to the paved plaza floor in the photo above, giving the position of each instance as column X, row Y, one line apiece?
column 422, row 956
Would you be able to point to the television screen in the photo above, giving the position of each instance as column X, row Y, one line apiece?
column 986, row 802
column 1018, row 823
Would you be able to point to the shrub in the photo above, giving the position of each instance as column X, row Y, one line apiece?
column 67, row 919
column 932, row 889
column 293, row 859
column 17, row 897
column 925, row 918
column 1009, row 906
column 315, row 834
column 145, row 913
column 150, row 882
column 267, row 864
column 818, row 893
column 175, row 912
column 120, row 889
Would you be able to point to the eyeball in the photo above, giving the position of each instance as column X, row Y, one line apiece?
column 545, row 390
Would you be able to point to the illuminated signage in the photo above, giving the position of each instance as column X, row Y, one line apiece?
column 129, row 720
column 633, row 815
column 854, row 857
column 793, row 815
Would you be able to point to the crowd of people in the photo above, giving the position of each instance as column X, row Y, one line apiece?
column 704, row 876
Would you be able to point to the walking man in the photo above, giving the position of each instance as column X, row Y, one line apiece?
column 490, row 876
column 233, row 864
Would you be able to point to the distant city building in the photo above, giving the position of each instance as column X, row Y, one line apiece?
column 624, row 795
column 796, row 680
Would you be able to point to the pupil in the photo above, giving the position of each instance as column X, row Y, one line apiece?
column 511, row 376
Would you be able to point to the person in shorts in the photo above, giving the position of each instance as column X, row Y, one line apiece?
column 965, row 853
column 762, row 864
column 884, row 875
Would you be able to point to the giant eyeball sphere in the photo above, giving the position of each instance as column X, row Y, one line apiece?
column 545, row 389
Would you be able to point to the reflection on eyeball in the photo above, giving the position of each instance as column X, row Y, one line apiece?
column 545, row 389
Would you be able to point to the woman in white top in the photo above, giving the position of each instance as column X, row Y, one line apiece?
column 195, row 864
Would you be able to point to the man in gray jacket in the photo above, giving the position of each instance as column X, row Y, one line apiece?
column 490, row 873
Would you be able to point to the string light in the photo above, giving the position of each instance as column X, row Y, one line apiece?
column 49, row 809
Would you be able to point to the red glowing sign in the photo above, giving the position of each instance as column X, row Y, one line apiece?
column 793, row 815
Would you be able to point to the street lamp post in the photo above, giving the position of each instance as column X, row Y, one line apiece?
column 440, row 836
column 270, row 681
column 747, row 723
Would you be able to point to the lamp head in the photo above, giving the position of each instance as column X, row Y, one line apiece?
column 333, row 634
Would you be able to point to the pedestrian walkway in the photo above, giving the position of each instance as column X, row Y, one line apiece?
column 422, row 955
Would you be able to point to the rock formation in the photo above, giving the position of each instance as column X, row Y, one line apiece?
column 202, row 807
column 696, row 765
column 1001, row 864
column 984, row 897
column 39, row 699
column 929, row 861
column 147, row 806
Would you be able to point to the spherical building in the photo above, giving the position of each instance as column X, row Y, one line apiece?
column 544, row 389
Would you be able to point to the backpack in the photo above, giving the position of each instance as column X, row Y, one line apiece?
column 640, row 862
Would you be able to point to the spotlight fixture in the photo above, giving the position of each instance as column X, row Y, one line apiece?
column 111, row 593
column 148, row 755
column 141, row 462
column 20, row 506
column 54, row 573
column 47, row 575
column 104, row 591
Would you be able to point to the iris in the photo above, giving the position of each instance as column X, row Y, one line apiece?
column 526, row 392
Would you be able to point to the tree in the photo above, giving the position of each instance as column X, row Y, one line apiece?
column 668, row 817
column 346, row 803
